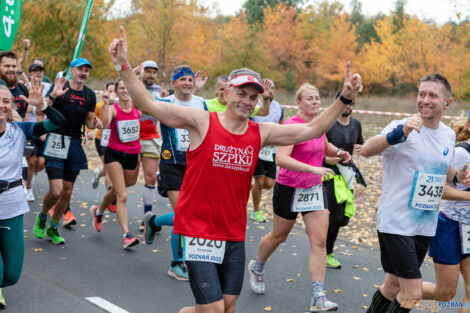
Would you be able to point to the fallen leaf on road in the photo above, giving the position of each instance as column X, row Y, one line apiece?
column 375, row 286
column 268, row 309
column 336, row 290
column 356, row 278
column 354, row 247
column 260, row 227
column 364, row 295
column 84, row 204
column 365, row 307
column 37, row 250
column 155, row 250
column 365, row 269
column 289, row 280
column 132, row 191
column 62, row 258
column 355, row 266
column 294, row 254
column 82, row 214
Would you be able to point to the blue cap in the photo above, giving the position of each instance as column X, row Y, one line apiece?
column 79, row 62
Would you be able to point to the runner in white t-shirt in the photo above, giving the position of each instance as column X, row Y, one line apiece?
column 416, row 155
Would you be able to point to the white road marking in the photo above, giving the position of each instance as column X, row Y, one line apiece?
column 106, row 305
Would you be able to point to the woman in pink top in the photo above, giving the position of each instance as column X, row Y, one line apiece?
column 299, row 189
column 121, row 158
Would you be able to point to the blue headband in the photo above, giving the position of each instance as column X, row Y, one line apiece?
column 182, row 72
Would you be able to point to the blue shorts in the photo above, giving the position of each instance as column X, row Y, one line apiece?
column 446, row 246
column 209, row 281
column 76, row 158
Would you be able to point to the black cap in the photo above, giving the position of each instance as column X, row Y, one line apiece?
column 34, row 67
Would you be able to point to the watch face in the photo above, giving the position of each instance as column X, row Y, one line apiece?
column 118, row 67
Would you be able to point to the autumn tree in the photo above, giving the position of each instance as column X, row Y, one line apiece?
column 254, row 8
column 53, row 28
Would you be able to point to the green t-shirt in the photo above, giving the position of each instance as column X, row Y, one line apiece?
column 213, row 105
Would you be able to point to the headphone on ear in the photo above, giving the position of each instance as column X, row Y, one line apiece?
column 447, row 103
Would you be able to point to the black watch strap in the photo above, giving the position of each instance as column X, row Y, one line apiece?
column 344, row 100
column 51, row 97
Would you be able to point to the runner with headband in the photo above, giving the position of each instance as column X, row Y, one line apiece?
column 121, row 158
column 222, row 158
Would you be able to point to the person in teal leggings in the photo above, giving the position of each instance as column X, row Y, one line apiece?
column 13, row 204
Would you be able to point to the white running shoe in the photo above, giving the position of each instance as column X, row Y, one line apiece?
column 322, row 304
column 30, row 195
column 256, row 279
column 96, row 179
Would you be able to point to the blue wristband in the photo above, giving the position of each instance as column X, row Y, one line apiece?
column 396, row 135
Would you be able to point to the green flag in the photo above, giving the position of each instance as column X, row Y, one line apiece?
column 81, row 35
column 10, row 18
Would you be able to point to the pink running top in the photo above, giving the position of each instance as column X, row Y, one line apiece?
column 309, row 152
column 125, row 131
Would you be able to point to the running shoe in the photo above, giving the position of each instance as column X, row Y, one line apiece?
column 179, row 272
column 149, row 228
column 130, row 241
column 331, row 261
column 40, row 227
column 69, row 218
column 322, row 304
column 256, row 279
column 53, row 234
column 112, row 207
column 97, row 219
column 258, row 216
column 96, row 178
column 30, row 196
column 3, row 304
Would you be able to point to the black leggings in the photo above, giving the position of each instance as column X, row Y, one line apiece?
column 337, row 217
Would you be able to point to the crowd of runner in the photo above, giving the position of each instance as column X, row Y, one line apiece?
column 233, row 145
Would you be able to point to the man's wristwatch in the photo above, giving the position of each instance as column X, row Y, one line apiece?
column 344, row 100
column 122, row 67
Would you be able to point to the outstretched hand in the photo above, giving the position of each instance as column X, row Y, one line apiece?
column 352, row 84
column 59, row 90
column 268, row 86
column 35, row 93
column 118, row 49
column 199, row 80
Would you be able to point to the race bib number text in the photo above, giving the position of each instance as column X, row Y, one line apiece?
column 182, row 140
column 266, row 154
column 204, row 250
column 105, row 133
column 54, row 147
column 465, row 238
column 308, row 199
column 427, row 191
column 128, row 130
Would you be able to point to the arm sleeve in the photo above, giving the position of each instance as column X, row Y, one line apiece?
column 55, row 121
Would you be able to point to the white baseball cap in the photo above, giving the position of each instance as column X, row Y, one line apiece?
column 150, row 64
column 241, row 80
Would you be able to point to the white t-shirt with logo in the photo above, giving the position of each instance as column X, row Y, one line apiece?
column 458, row 211
column 431, row 152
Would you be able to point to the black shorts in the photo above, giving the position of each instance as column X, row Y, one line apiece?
column 171, row 177
column 282, row 201
column 265, row 168
column 99, row 148
column 60, row 173
column 402, row 255
column 38, row 148
column 209, row 281
column 128, row 161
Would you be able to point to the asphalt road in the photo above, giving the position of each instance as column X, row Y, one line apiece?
column 94, row 265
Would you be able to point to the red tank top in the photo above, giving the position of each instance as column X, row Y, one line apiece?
column 213, row 198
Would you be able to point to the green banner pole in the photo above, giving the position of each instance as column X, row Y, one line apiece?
column 10, row 15
column 81, row 35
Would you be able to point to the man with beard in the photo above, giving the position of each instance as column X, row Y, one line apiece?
column 8, row 68
column 64, row 152
column 345, row 134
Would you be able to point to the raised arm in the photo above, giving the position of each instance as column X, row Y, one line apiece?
column 169, row 114
column 281, row 135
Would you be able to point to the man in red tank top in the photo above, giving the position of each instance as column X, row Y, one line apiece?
column 222, row 155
